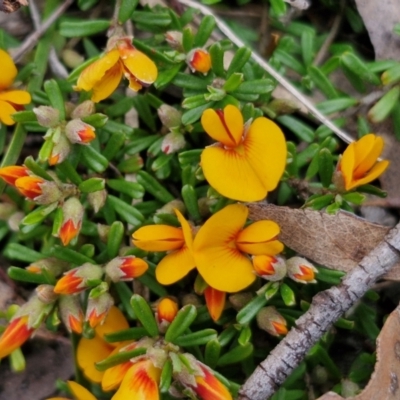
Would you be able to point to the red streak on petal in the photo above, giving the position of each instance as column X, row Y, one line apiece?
column 16, row 333
column 11, row 173
column 68, row 231
column 68, row 284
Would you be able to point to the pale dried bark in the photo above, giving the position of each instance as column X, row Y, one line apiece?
column 326, row 308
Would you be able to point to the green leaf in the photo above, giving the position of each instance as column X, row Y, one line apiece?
column 85, row 27
column 212, row 352
column 115, row 238
column 319, row 201
column 358, row 67
column 119, row 358
column 166, row 76
column 126, row 10
column 144, row 314
column 307, row 46
column 193, row 115
column 196, row 338
column 326, row 168
column 287, row 295
column 384, row 106
column 237, row 354
column 22, row 275
column 204, row 31
column 39, row 214
column 55, row 96
column 127, row 212
column 16, row 251
column 250, row 310
column 69, row 255
column 132, row 189
column 279, row 7
column 24, row 116
column 217, row 59
column 152, row 186
column 94, row 159
column 335, row 105
column 113, row 145
column 191, row 202
column 322, row 81
column 183, row 319
column 240, row 58
column 126, row 334
column 300, row 129
column 166, row 377
column 92, row 185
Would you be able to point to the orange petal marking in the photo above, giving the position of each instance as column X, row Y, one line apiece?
column 16, row 333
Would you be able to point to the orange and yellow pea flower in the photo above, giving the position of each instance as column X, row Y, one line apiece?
column 248, row 161
column 359, row 164
column 221, row 244
column 11, row 100
column 78, row 391
column 178, row 241
column 16, row 334
column 121, row 59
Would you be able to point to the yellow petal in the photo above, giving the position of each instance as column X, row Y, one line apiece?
column 175, row 266
column 16, row 96
column 140, row 383
column 106, row 86
column 213, row 123
column 258, row 238
column 115, row 321
column 377, row 170
column 113, row 376
column 347, row 165
column 6, row 110
column 8, row 70
column 266, row 151
column 95, row 71
column 370, row 159
column 89, row 352
column 362, row 148
column 158, row 238
column 139, row 65
column 186, row 229
column 234, row 121
column 217, row 259
column 79, row 392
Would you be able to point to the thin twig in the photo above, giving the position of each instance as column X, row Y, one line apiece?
column 286, row 84
column 56, row 65
column 330, row 38
column 31, row 40
column 326, row 308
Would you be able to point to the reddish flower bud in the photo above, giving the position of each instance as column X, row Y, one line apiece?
column 126, row 268
column 169, row 116
column 215, row 301
column 173, row 142
column 199, row 60
column 165, row 313
column 72, row 220
column 301, row 270
column 45, row 294
column 83, row 110
column 16, row 333
column 98, row 308
column 47, row 116
column 271, row 321
column 38, row 190
column 78, row 279
column 174, row 39
column 71, row 313
column 79, row 132
column 269, row 267
column 13, row 172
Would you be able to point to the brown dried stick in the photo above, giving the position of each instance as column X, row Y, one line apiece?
column 326, row 308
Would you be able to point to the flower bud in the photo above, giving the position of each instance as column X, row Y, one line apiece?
column 47, row 116
column 52, row 265
column 72, row 220
column 125, row 268
column 199, row 60
column 71, row 313
column 301, row 270
column 173, row 142
column 103, row 231
column 215, row 301
column 174, row 39
column 16, row 333
column 13, row 172
column 60, row 150
column 97, row 199
column 38, row 189
column 83, row 110
column 269, row 320
column 169, row 116
column 45, row 294
column 79, row 132
column 165, row 313
column 269, row 267
column 98, row 307
column 78, row 279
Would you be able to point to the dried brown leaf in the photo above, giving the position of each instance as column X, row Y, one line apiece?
column 9, row 6
column 337, row 241
column 384, row 382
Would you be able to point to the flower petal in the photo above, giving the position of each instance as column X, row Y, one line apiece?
column 16, row 96
column 141, row 67
column 106, row 86
column 6, row 110
column 258, row 238
column 174, row 266
column 158, row 238
column 266, row 151
column 8, row 70
column 115, row 321
column 377, row 170
column 233, row 119
column 89, row 352
column 79, row 392
column 213, row 123
column 186, row 229
column 95, row 72
column 210, row 388
column 13, row 172
column 16, row 333
column 217, row 259
column 215, row 301
column 140, row 383
column 362, row 148
column 370, row 159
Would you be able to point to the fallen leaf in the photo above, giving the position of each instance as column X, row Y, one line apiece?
column 337, row 241
column 9, row 6
column 384, row 382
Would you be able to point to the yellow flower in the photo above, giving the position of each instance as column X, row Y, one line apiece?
column 220, row 244
column 248, row 161
column 121, row 59
column 176, row 264
column 10, row 100
column 359, row 164
column 78, row 391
